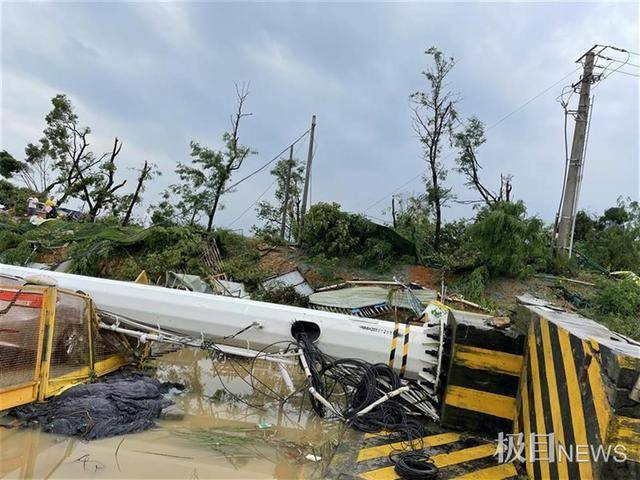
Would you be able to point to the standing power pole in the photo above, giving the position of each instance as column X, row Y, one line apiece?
column 566, row 219
column 307, row 173
column 285, row 207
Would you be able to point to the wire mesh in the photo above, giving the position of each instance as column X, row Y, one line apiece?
column 25, row 333
column 70, row 346
column 106, row 344
column 19, row 335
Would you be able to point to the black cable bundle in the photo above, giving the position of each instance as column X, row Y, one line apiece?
column 350, row 385
column 414, row 465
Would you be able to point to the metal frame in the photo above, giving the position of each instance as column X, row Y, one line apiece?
column 26, row 392
column 43, row 384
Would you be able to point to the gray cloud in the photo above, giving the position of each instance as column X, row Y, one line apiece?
column 160, row 74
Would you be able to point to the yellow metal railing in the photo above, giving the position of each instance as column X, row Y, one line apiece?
column 54, row 334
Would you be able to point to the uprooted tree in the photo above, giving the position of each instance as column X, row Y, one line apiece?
column 434, row 115
column 467, row 142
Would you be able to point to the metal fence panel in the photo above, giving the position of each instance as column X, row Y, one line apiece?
column 21, row 335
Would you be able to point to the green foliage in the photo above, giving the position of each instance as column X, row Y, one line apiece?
column 414, row 220
column 245, row 269
column 269, row 234
column 285, row 295
column 327, row 268
column 473, row 286
column 614, row 216
column 9, row 240
column 615, row 248
column 434, row 117
column 468, row 141
column 232, row 244
column 508, row 242
column 241, row 258
column 15, row 197
column 377, row 253
column 203, row 181
column 613, row 241
column 618, row 297
column 289, row 176
column 331, row 232
column 166, row 213
column 21, row 254
column 327, row 231
column 617, row 305
column 156, row 250
column 584, row 226
column 9, row 166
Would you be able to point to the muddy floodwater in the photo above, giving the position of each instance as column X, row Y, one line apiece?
column 229, row 423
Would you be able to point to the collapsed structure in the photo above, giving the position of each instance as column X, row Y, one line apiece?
column 551, row 372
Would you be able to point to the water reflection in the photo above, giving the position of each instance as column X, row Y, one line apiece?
column 233, row 426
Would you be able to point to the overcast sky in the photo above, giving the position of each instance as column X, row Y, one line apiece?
column 158, row 75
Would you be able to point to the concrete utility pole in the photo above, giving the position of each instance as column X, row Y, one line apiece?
column 286, row 195
column 566, row 220
column 307, row 173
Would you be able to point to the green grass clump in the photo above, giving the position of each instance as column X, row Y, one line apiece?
column 617, row 306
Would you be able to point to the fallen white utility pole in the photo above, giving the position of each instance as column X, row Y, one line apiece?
column 413, row 350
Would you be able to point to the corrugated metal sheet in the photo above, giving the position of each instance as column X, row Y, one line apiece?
column 291, row 279
column 229, row 288
column 196, row 284
column 359, row 297
column 187, row 282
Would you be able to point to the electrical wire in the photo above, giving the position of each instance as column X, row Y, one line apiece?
column 580, row 174
column 566, row 164
column 350, row 386
column 620, row 61
column 266, row 164
column 490, row 127
column 252, row 205
column 626, row 73
column 604, row 75
column 535, row 97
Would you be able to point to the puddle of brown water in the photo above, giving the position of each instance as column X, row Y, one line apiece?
column 219, row 437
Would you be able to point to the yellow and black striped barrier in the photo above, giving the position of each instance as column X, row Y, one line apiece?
column 456, row 455
column 400, row 331
column 563, row 389
column 483, row 376
column 573, row 408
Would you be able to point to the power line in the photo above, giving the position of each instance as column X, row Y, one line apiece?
column 626, row 73
column 251, row 206
column 531, row 100
column 391, row 193
column 270, row 186
column 619, row 61
column 386, row 222
column 486, row 130
column 266, row 164
column 617, row 49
